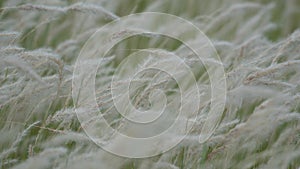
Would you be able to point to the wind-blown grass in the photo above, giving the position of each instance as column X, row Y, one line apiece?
column 258, row 43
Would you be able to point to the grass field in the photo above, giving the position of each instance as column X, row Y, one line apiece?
column 258, row 43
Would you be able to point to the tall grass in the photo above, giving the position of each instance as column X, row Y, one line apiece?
column 258, row 43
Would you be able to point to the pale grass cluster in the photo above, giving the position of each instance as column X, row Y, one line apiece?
column 258, row 42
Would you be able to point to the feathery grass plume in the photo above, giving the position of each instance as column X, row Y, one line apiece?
column 81, row 7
